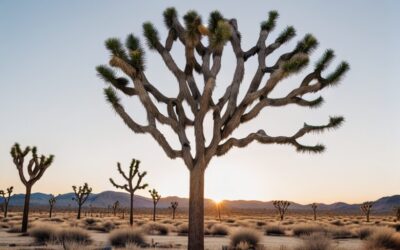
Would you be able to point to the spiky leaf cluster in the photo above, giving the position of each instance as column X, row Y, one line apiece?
column 269, row 25
column 116, row 48
column 335, row 77
column 296, row 63
column 111, row 96
column 325, row 60
column 108, row 75
column 286, row 35
column 151, row 35
column 192, row 22
column 136, row 52
column 155, row 195
column 307, row 44
column 169, row 14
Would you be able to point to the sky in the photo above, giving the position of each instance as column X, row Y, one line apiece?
column 51, row 97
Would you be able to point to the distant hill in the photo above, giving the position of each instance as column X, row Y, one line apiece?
column 106, row 198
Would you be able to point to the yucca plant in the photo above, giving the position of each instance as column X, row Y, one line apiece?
column 132, row 185
column 366, row 209
column 36, row 166
column 81, row 195
column 229, row 112
column 155, row 196
column 6, row 199
column 282, row 207
column 174, row 206
column 52, row 202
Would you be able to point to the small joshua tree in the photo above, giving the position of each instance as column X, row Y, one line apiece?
column 314, row 207
column 52, row 202
column 131, row 187
column 81, row 195
column 282, row 207
column 115, row 207
column 6, row 199
column 36, row 167
column 156, row 197
column 397, row 211
column 366, row 208
column 174, row 206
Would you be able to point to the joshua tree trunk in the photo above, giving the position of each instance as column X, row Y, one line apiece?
column 131, row 211
column 196, row 208
column 26, row 209
column 315, row 215
column 79, row 212
column 50, row 212
column 173, row 214
column 154, row 212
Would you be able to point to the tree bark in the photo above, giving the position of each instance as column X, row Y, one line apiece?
column 50, row 212
column 154, row 212
column 5, row 209
column 173, row 214
column 79, row 212
column 131, row 211
column 196, row 208
column 25, row 215
column 367, row 216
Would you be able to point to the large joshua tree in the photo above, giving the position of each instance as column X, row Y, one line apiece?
column 131, row 187
column 366, row 209
column 6, row 199
column 81, row 195
column 228, row 112
column 36, row 166
column 282, row 207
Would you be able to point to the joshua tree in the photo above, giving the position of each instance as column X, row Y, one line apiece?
column 218, row 205
column 314, row 207
column 36, row 167
column 228, row 112
column 6, row 199
column 115, row 207
column 174, row 206
column 397, row 211
column 282, row 207
column 52, row 202
column 156, row 197
column 366, row 208
column 131, row 187
column 81, row 195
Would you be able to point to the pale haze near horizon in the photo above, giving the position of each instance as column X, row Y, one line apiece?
column 51, row 97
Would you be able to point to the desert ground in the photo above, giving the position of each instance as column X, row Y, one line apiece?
column 106, row 231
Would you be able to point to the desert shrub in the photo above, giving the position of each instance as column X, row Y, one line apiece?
column 106, row 227
column 183, row 229
column 383, row 238
column 274, row 230
column 337, row 232
column 337, row 223
column 56, row 220
column 260, row 223
column 90, row 221
column 397, row 227
column 157, row 229
column 307, row 229
column 219, row 230
column 4, row 225
column 365, row 232
column 316, row 241
column 245, row 235
column 43, row 233
column 126, row 236
column 230, row 221
column 76, row 235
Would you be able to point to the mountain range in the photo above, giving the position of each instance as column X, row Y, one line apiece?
column 107, row 198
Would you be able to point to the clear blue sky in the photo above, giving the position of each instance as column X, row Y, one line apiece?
column 51, row 97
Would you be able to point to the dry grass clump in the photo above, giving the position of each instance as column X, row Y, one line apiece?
column 219, row 230
column 76, row 235
column 183, row 229
column 260, row 223
column 127, row 236
column 274, row 230
column 365, row 232
column 383, row 239
column 43, row 233
column 156, row 229
column 307, row 229
column 247, row 236
column 316, row 241
column 337, row 223
column 337, row 232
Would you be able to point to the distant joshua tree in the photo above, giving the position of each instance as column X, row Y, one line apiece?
column 52, row 202
column 314, row 207
column 6, row 199
column 115, row 207
column 397, row 211
column 36, row 167
column 282, row 207
column 81, row 195
column 131, row 187
column 174, row 206
column 229, row 110
column 156, row 197
column 366, row 208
